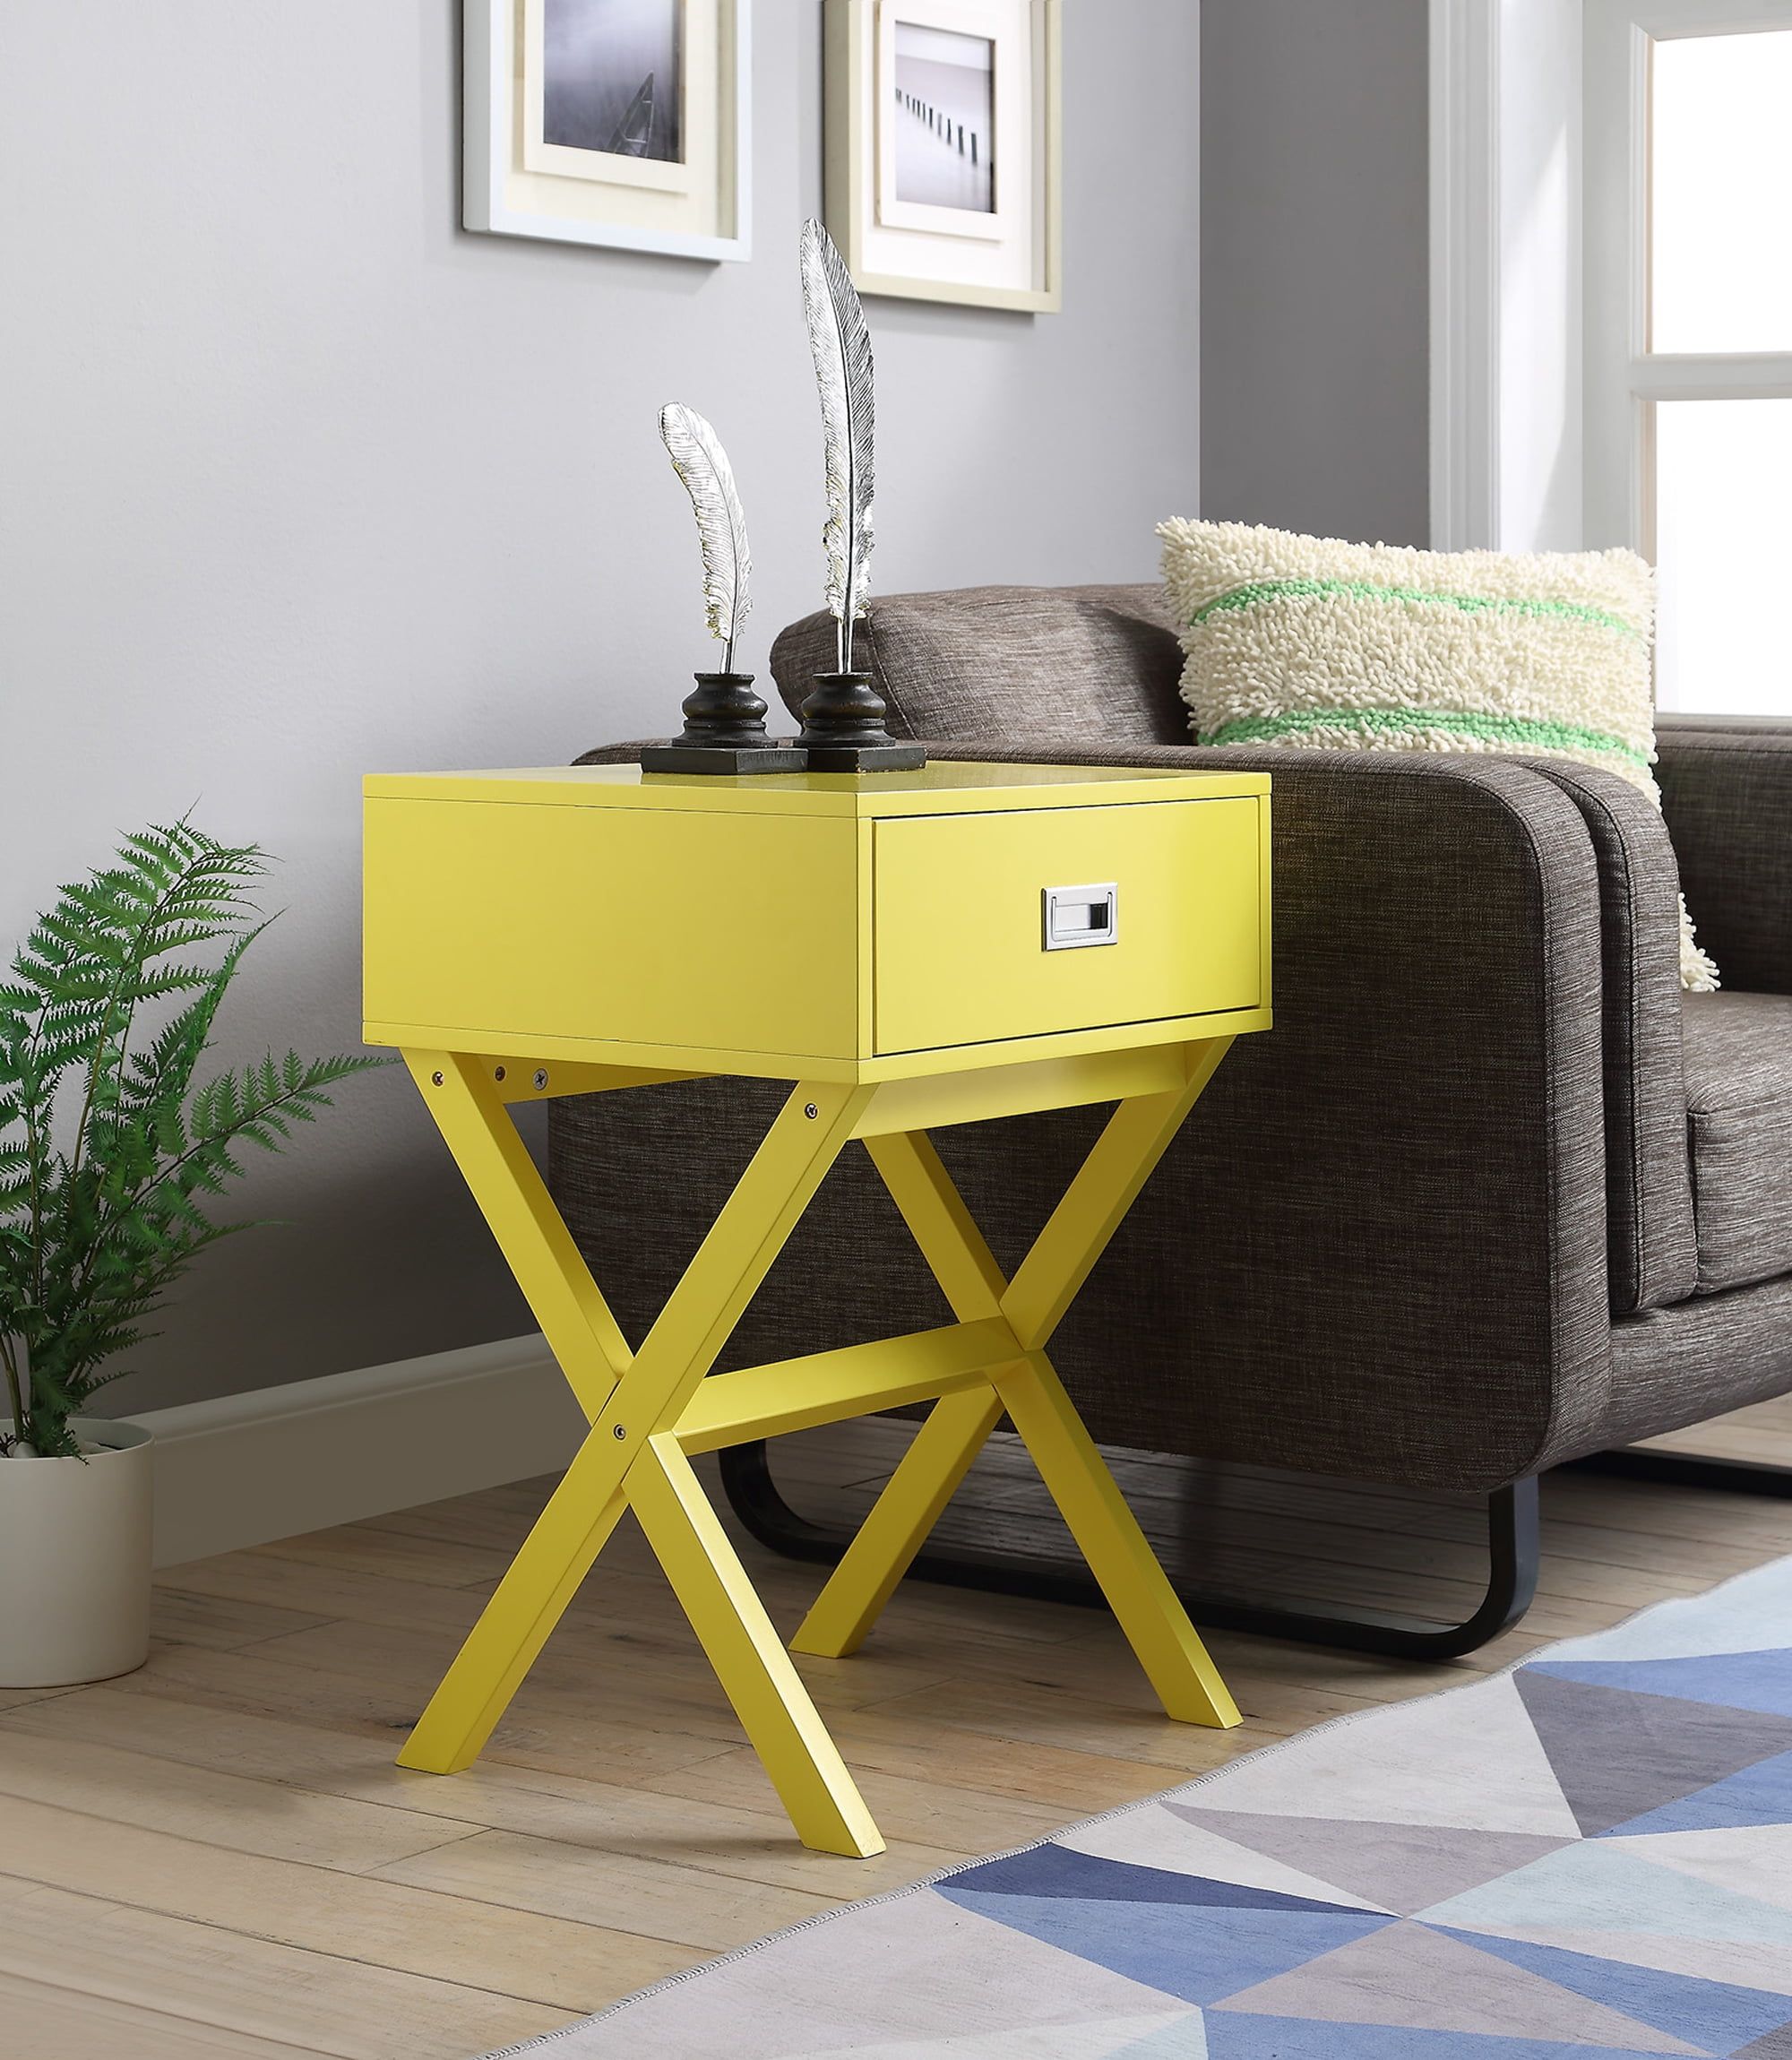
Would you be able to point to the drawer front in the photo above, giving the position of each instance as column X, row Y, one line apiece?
column 968, row 951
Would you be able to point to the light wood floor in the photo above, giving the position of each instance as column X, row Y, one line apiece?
column 216, row 1857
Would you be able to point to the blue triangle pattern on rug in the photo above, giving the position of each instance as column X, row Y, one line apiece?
column 1197, row 1959
column 1051, row 1870
column 1232, row 2038
column 1739, row 1680
column 1593, row 1886
column 1184, row 2040
column 1513, row 1839
column 1759, row 1795
column 1715, row 2016
column 1618, row 1753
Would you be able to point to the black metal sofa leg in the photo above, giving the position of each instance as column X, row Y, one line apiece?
column 1686, row 1470
column 1513, row 1552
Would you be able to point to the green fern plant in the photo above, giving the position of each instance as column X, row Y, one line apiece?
column 111, row 1151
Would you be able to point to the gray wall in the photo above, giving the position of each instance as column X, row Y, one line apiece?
column 301, row 480
column 1314, row 359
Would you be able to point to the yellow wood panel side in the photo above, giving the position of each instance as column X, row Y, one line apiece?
column 893, row 1066
column 865, row 884
column 937, row 1100
column 1266, row 898
column 945, row 787
column 627, row 927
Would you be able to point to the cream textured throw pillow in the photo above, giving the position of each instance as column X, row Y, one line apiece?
column 1299, row 640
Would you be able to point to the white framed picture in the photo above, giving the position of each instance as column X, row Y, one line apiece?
column 944, row 158
column 617, row 122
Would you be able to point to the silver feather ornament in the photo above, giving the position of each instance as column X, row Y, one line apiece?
column 701, row 462
column 841, row 345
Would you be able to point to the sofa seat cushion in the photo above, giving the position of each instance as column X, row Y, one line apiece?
column 1738, row 1058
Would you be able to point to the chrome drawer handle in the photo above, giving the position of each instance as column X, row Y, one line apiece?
column 1074, row 917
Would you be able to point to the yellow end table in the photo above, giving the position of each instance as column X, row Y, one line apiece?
column 909, row 949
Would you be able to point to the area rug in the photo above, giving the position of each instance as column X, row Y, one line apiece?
column 1589, row 1855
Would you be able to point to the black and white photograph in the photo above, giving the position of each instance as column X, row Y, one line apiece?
column 626, row 123
column 945, row 119
column 943, row 163
column 611, row 77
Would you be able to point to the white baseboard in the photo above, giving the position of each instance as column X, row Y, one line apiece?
column 240, row 1469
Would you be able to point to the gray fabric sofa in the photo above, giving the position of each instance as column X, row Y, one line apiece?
column 1491, row 1196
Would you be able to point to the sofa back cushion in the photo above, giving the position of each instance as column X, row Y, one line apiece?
column 1010, row 664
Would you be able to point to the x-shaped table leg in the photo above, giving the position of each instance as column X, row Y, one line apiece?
column 1031, row 1394
column 631, row 1459
column 639, row 1407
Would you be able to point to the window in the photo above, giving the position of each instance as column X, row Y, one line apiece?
column 1689, row 331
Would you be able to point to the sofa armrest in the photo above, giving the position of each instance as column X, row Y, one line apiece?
column 1649, row 1184
column 1378, row 1248
column 1727, row 792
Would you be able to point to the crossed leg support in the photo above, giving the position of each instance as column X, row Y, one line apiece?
column 644, row 1421
column 1029, row 1391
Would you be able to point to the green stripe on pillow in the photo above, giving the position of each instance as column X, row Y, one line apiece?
column 1258, row 591
column 1313, row 642
column 1518, row 731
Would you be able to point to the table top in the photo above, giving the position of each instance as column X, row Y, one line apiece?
column 946, row 787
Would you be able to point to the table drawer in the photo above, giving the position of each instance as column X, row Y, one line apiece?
column 961, row 954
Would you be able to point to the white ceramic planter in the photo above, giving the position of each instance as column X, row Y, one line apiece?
column 74, row 1560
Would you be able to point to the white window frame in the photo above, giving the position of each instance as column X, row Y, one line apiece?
column 1505, row 274
column 1465, row 273
column 1623, row 376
